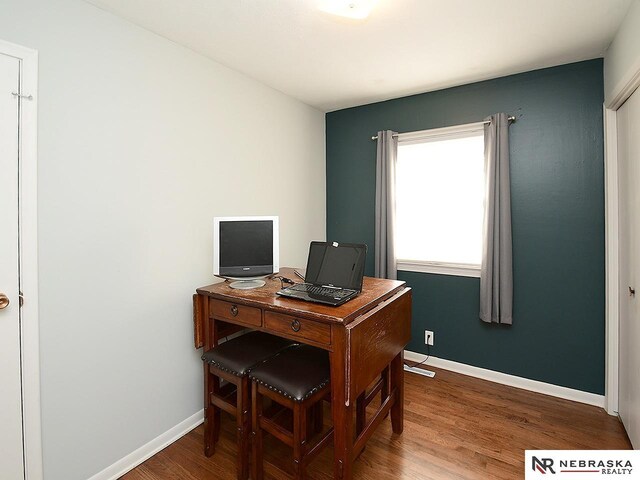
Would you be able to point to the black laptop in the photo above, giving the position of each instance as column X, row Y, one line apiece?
column 334, row 273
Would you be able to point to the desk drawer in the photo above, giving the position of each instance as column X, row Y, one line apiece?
column 298, row 327
column 235, row 313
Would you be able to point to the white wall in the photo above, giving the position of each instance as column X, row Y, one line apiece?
column 622, row 59
column 141, row 143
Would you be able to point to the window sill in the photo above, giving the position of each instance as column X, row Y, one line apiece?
column 457, row 269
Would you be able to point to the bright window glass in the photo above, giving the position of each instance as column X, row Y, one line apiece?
column 439, row 199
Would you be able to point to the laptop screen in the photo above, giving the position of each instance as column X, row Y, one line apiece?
column 337, row 264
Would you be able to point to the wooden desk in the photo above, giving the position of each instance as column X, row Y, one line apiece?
column 363, row 336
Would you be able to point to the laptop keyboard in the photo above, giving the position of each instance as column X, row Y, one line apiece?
column 324, row 291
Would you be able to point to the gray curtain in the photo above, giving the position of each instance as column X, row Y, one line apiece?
column 385, row 256
column 496, row 275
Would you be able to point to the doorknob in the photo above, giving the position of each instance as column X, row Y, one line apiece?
column 632, row 292
column 4, row 301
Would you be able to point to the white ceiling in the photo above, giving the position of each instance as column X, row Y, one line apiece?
column 404, row 47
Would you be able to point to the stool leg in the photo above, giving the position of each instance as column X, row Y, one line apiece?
column 211, row 412
column 256, row 415
column 243, row 423
column 299, row 437
column 361, row 413
column 385, row 385
column 318, row 417
column 315, row 419
column 216, row 411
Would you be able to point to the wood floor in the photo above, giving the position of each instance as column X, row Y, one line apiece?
column 456, row 427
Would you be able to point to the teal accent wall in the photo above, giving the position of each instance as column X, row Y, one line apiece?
column 557, row 190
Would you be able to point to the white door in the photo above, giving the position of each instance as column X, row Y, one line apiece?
column 11, row 434
column 628, row 123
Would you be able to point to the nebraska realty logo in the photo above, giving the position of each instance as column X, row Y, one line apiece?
column 585, row 464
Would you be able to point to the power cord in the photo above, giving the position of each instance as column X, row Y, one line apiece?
column 423, row 361
column 283, row 281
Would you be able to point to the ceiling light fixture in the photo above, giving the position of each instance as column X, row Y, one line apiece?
column 357, row 9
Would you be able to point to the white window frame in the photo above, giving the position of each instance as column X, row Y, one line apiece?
column 441, row 268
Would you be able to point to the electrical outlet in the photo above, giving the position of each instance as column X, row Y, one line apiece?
column 428, row 337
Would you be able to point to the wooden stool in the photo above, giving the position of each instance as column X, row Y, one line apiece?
column 231, row 361
column 296, row 378
column 365, row 398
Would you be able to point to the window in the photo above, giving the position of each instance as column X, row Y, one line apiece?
column 440, row 199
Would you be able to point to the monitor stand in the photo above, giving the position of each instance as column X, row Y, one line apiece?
column 247, row 284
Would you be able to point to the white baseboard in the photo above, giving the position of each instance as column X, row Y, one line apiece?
column 148, row 450
column 511, row 380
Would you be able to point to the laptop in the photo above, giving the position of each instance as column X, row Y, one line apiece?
column 333, row 276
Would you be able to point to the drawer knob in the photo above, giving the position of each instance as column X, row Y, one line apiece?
column 295, row 326
column 234, row 310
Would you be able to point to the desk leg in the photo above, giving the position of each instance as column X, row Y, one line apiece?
column 211, row 382
column 397, row 385
column 341, row 412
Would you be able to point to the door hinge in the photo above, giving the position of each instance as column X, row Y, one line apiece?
column 20, row 299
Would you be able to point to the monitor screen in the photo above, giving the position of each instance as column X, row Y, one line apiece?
column 245, row 246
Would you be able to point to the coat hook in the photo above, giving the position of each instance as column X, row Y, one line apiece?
column 26, row 97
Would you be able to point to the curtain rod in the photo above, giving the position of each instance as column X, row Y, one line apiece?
column 510, row 118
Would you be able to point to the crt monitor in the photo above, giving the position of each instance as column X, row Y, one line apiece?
column 245, row 249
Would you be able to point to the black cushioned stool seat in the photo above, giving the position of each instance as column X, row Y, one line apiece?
column 239, row 354
column 297, row 378
column 295, row 373
column 231, row 361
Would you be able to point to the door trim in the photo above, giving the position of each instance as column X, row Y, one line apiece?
column 28, row 201
column 611, row 260
column 612, row 309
